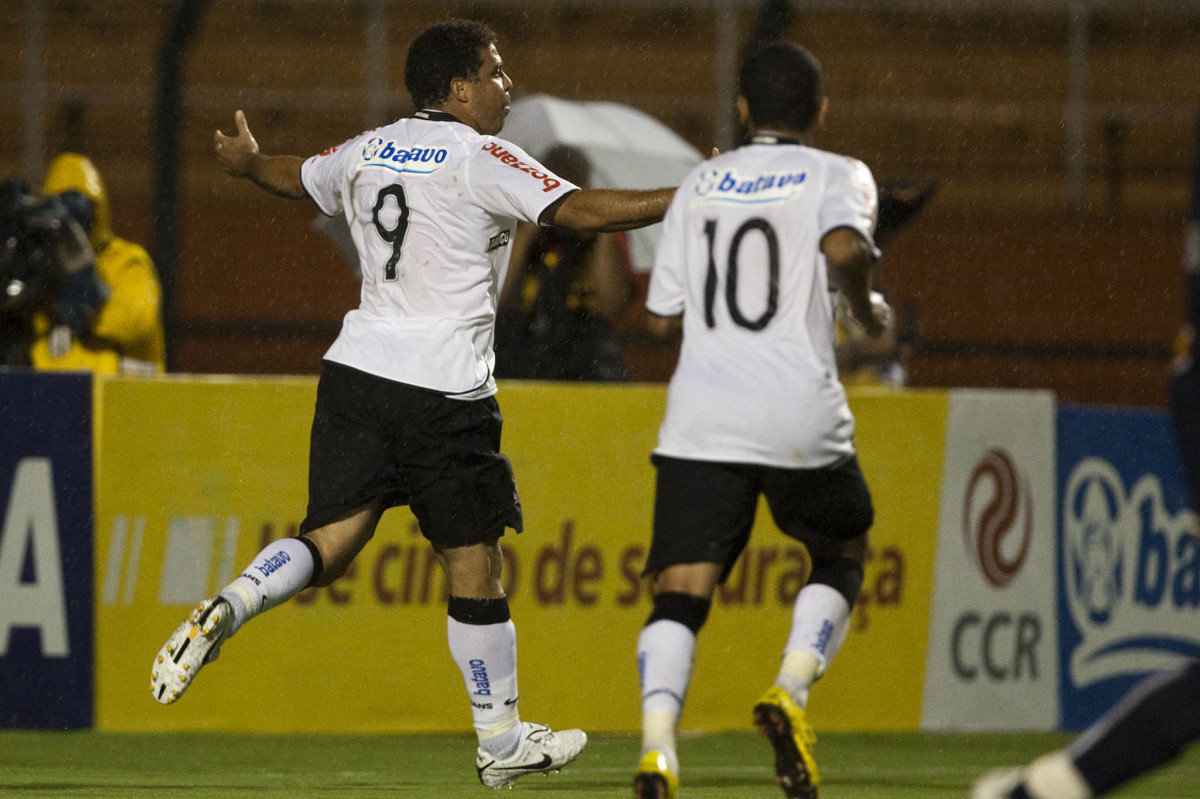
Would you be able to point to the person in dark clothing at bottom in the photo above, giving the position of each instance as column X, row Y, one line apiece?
column 1160, row 716
column 1148, row 728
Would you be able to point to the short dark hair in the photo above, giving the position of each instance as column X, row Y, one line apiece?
column 442, row 52
column 781, row 82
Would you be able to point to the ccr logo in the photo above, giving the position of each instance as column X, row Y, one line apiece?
column 1131, row 574
column 997, row 505
column 995, row 644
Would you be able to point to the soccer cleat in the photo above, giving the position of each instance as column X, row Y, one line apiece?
column 654, row 778
column 783, row 723
column 541, row 750
column 998, row 784
column 195, row 642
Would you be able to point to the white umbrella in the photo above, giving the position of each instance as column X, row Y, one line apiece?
column 627, row 149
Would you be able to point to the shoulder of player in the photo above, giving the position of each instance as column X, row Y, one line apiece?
column 518, row 164
column 399, row 132
column 838, row 163
column 495, row 148
column 753, row 159
column 707, row 166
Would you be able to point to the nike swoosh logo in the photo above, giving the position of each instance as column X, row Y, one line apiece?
column 544, row 764
column 512, row 701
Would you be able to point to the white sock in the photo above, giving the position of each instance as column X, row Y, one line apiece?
column 666, row 651
column 486, row 655
column 1055, row 776
column 276, row 574
column 820, row 620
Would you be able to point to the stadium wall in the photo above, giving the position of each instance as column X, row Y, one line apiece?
column 1014, row 582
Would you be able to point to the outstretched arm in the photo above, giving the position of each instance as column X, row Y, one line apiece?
column 239, row 156
column 608, row 210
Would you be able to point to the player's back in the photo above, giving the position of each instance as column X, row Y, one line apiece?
column 431, row 205
column 741, row 259
column 413, row 223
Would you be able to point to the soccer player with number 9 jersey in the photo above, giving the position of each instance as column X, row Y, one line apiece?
column 405, row 411
column 754, row 246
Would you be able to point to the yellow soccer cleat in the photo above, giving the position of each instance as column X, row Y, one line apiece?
column 654, row 778
column 782, row 722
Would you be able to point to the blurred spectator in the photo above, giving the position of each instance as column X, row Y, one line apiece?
column 561, row 294
column 1185, row 376
column 899, row 203
column 108, row 319
column 47, row 268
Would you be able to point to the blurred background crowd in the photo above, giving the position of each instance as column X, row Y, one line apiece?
column 1057, row 139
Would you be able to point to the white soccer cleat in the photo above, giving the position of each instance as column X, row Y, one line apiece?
column 997, row 784
column 194, row 643
column 540, row 750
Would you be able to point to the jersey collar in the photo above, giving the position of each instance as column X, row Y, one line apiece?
column 437, row 116
column 766, row 137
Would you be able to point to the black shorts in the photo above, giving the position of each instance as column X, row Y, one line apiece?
column 703, row 511
column 373, row 437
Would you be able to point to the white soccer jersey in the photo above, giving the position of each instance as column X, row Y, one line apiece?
column 740, row 258
column 432, row 205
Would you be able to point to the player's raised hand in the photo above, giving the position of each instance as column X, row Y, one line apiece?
column 237, row 152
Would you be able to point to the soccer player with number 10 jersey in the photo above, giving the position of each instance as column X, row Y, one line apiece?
column 754, row 246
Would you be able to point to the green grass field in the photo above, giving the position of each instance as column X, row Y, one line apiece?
column 723, row 766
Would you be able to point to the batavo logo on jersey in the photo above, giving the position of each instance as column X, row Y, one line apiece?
column 726, row 185
column 506, row 157
column 385, row 153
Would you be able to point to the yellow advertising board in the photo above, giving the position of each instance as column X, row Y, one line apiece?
column 876, row 681
column 194, row 476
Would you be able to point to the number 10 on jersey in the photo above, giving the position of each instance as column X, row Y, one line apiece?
column 731, row 274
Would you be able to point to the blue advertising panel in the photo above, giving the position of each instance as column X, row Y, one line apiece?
column 46, row 636
column 1128, row 557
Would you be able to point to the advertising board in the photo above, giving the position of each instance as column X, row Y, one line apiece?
column 46, row 640
column 1128, row 557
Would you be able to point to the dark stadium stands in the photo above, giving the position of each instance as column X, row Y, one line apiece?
column 1000, row 283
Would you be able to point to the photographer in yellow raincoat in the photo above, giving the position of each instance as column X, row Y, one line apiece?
column 114, row 326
